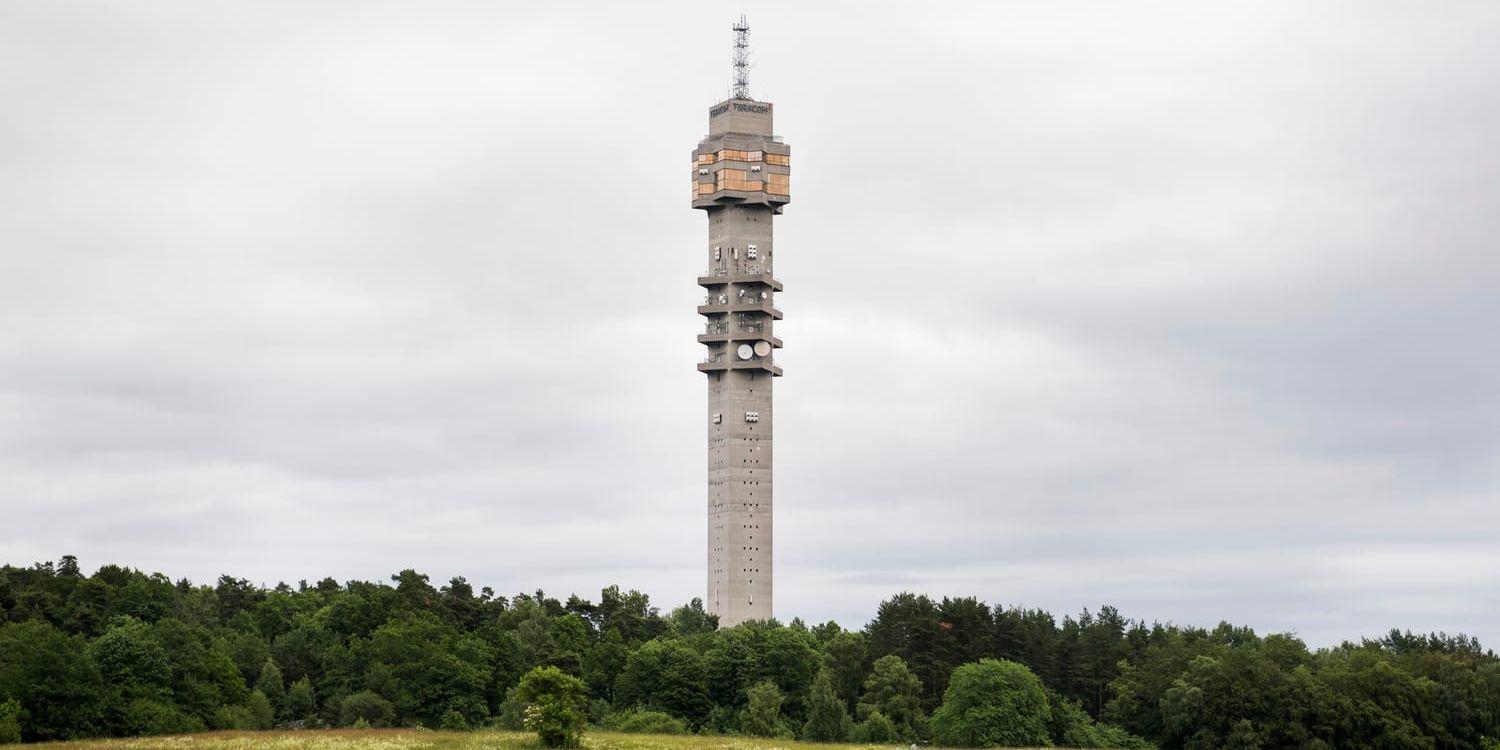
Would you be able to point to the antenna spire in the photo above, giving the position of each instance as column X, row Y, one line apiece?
column 741, row 87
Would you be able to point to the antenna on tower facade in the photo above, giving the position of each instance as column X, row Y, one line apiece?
column 741, row 87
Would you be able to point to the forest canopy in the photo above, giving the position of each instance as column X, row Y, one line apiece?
column 121, row 652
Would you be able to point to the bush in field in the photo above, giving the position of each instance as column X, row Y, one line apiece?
column 454, row 721
column 255, row 713
column 1071, row 726
column 556, row 706
column 876, row 729
column 648, row 722
column 992, row 702
column 366, row 706
column 10, row 721
column 726, row 720
column 762, row 714
column 150, row 717
column 512, row 712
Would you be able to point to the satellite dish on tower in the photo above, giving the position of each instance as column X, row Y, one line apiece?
column 763, row 348
column 745, row 351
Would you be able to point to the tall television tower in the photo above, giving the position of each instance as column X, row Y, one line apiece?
column 740, row 177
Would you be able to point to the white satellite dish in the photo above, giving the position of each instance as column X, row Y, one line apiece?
column 745, row 351
column 763, row 348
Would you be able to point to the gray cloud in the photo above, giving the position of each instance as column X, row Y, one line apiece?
column 1182, row 308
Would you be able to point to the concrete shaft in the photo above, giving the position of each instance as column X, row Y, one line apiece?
column 740, row 423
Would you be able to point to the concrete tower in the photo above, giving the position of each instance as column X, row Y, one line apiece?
column 740, row 177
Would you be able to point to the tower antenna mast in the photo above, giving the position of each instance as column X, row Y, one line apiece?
column 741, row 87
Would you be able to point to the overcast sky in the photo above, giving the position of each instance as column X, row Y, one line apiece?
column 1186, row 307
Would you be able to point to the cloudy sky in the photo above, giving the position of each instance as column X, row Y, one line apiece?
column 1190, row 308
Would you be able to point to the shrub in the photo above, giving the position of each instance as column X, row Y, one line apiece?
column 453, row 721
column 1070, row 726
column 368, row 707
column 149, row 717
column 512, row 712
column 725, row 720
column 762, row 714
column 556, row 706
column 648, row 722
column 255, row 713
column 876, row 729
column 992, row 702
column 10, row 721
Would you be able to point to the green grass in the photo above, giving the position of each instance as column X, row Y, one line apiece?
column 410, row 739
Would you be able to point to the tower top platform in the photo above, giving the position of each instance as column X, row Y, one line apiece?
column 740, row 116
column 740, row 161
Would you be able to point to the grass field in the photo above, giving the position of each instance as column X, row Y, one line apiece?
column 407, row 739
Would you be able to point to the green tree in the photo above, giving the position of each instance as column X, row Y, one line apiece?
column 570, row 644
column 534, row 635
column 630, row 613
column 669, row 675
column 692, row 619
column 51, row 676
column 847, row 662
column 10, row 721
column 827, row 717
column 762, row 714
column 1101, row 646
column 908, row 626
column 133, row 666
column 556, row 706
column 895, row 693
column 301, row 704
column 605, row 663
column 966, row 633
column 428, row 668
column 751, row 652
column 202, row 673
column 262, row 715
column 992, row 703
column 1029, row 637
column 271, row 685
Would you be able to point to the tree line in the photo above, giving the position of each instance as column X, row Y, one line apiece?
column 121, row 652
